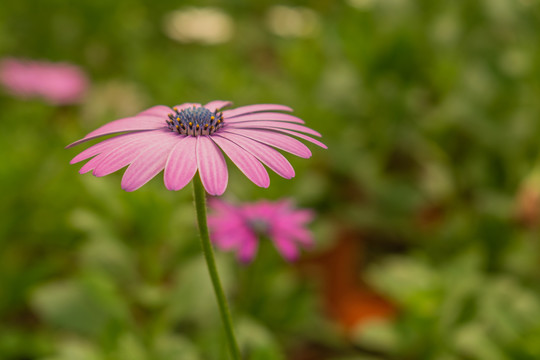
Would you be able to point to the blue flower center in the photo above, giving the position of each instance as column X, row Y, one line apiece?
column 195, row 121
column 259, row 226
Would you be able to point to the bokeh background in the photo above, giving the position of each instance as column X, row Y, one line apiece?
column 427, row 200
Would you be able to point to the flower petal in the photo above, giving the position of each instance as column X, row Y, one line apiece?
column 217, row 104
column 302, row 236
column 181, row 165
column 255, row 108
column 135, row 123
column 101, row 147
column 276, row 140
column 232, row 238
column 301, row 216
column 91, row 164
column 148, row 164
column 302, row 136
column 125, row 154
column 185, row 106
column 160, row 111
column 223, row 222
column 226, row 242
column 247, row 163
column 221, row 206
column 286, row 247
column 268, row 116
column 248, row 249
column 272, row 125
column 293, row 231
column 267, row 155
column 212, row 166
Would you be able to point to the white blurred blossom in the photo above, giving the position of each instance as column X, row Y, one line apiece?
column 361, row 4
column 206, row 25
column 113, row 98
column 515, row 62
column 446, row 29
column 287, row 21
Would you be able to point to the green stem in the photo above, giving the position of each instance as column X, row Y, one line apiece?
column 200, row 207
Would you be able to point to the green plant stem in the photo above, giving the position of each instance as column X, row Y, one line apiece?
column 200, row 207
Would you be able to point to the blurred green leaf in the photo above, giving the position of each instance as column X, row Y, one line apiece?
column 88, row 306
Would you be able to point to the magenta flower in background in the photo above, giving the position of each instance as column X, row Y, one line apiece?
column 240, row 228
column 56, row 83
column 190, row 138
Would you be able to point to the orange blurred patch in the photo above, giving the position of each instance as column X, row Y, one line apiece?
column 527, row 210
column 347, row 298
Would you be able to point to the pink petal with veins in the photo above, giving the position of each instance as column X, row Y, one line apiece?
column 255, row 108
column 267, row 155
column 274, row 125
column 277, row 140
column 148, row 163
column 247, row 163
column 212, row 166
column 181, row 165
column 217, row 104
column 266, row 116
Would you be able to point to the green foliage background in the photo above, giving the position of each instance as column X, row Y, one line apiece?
column 429, row 108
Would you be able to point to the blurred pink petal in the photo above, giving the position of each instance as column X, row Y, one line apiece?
column 286, row 247
column 247, row 251
column 240, row 227
column 56, row 83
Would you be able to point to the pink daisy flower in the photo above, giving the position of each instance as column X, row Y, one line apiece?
column 240, row 227
column 56, row 83
column 191, row 138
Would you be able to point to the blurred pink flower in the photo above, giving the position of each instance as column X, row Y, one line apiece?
column 190, row 138
column 240, row 227
column 56, row 83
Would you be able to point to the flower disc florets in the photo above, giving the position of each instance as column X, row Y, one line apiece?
column 259, row 226
column 195, row 121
